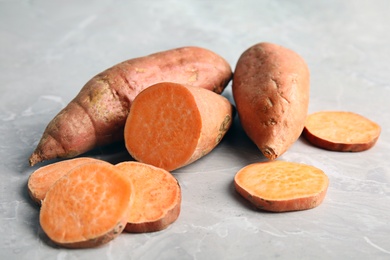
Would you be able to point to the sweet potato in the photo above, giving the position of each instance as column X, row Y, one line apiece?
column 280, row 186
column 341, row 131
column 157, row 197
column 97, row 115
column 271, row 92
column 87, row 207
column 41, row 180
column 171, row 125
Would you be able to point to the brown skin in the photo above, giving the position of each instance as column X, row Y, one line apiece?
column 171, row 125
column 341, row 131
column 271, row 86
column 41, row 180
column 279, row 186
column 97, row 115
column 87, row 207
column 157, row 197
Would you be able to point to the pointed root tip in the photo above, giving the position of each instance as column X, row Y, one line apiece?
column 34, row 159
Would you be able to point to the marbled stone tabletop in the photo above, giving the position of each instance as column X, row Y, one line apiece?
column 49, row 49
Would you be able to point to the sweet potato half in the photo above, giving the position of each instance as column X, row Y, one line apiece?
column 271, row 87
column 280, row 186
column 171, row 125
column 97, row 115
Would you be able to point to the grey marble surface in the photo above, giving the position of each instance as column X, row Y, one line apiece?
column 49, row 49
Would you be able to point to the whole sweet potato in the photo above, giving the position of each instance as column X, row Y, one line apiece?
column 271, row 87
column 97, row 115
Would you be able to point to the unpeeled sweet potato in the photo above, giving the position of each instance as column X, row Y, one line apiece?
column 171, row 125
column 97, row 115
column 271, row 92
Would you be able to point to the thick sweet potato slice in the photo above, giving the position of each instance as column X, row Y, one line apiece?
column 157, row 197
column 41, row 180
column 341, row 131
column 171, row 125
column 87, row 207
column 280, row 186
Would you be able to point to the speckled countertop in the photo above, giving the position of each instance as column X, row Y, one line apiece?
column 49, row 49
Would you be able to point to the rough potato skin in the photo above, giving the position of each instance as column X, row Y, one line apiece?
column 98, row 113
column 271, row 86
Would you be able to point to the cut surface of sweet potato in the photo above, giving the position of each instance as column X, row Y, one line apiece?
column 171, row 125
column 87, row 207
column 41, row 180
column 280, row 186
column 341, row 131
column 157, row 197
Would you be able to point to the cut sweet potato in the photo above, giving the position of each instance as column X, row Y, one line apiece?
column 157, row 197
column 41, row 180
column 280, row 186
column 341, row 131
column 97, row 115
column 171, row 125
column 87, row 207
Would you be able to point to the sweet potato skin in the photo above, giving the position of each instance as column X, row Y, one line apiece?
column 97, row 115
column 271, row 86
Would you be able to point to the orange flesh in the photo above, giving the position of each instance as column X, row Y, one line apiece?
column 44, row 177
column 157, row 197
column 87, row 204
column 157, row 132
column 280, row 182
column 342, row 127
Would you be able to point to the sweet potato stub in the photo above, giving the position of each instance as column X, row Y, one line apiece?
column 158, row 131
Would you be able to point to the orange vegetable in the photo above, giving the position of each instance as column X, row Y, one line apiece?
column 87, row 207
column 97, row 115
column 171, row 125
column 341, row 131
column 41, row 180
column 157, row 197
column 271, row 87
column 280, row 186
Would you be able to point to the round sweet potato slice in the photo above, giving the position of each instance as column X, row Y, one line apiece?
column 87, row 207
column 341, row 131
column 280, row 186
column 41, row 180
column 157, row 197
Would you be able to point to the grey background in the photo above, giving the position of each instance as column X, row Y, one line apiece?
column 49, row 49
